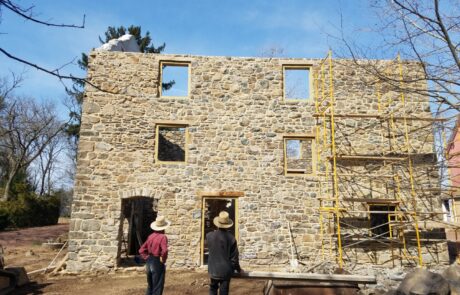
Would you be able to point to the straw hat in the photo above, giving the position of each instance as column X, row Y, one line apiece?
column 160, row 223
column 223, row 220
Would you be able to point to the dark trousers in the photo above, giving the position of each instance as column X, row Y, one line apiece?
column 222, row 285
column 155, row 276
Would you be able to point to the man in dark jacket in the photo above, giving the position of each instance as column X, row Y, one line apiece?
column 223, row 255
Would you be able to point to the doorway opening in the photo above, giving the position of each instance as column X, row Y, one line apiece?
column 211, row 207
column 137, row 214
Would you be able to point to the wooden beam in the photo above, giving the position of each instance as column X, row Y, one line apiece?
column 220, row 194
column 367, row 157
column 376, row 116
column 307, row 277
column 372, row 201
column 358, row 174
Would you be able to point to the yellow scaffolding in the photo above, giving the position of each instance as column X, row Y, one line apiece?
column 333, row 203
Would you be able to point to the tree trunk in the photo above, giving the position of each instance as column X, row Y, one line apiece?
column 6, row 193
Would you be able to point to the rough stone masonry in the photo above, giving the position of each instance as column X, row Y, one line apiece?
column 235, row 121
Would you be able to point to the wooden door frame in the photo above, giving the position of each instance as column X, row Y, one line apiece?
column 218, row 195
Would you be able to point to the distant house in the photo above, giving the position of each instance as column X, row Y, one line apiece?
column 453, row 155
column 453, row 203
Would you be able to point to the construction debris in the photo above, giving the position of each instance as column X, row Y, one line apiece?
column 126, row 43
column 452, row 275
column 422, row 281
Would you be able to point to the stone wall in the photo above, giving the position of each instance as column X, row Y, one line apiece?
column 236, row 121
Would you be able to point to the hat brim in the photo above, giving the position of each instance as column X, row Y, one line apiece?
column 221, row 225
column 158, row 228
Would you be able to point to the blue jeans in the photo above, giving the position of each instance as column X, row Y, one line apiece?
column 155, row 276
column 222, row 285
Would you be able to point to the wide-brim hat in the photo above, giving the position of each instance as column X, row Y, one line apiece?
column 160, row 223
column 223, row 220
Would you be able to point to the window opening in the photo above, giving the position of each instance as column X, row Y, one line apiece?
column 211, row 209
column 296, row 82
column 171, row 143
column 298, row 155
column 379, row 221
column 175, row 79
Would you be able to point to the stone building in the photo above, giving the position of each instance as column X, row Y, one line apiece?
column 248, row 135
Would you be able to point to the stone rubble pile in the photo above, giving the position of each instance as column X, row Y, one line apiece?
column 420, row 281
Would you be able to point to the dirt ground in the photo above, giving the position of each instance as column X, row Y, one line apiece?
column 24, row 248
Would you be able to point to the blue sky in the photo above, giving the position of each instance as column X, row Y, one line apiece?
column 235, row 28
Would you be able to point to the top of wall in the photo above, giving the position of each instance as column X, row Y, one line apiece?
column 249, row 58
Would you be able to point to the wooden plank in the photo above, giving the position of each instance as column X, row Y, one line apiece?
column 399, row 212
column 374, row 158
column 307, row 277
column 358, row 174
column 220, row 194
column 302, row 284
column 373, row 201
column 377, row 116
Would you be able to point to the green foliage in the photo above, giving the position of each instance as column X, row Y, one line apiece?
column 29, row 210
column 4, row 218
column 20, row 184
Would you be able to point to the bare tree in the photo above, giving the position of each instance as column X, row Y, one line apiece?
column 28, row 14
column 272, row 51
column 7, row 86
column 46, row 165
column 425, row 31
column 27, row 129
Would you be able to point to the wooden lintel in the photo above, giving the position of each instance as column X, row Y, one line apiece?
column 220, row 194
column 298, row 135
column 172, row 122
column 307, row 277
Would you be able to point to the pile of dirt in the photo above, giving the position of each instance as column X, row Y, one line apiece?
column 25, row 248
column 178, row 282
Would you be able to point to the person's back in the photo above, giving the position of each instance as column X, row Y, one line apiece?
column 223, row 254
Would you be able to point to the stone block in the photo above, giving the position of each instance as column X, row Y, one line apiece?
column 421, row 281
column 21, row 275
column 452, row 275
column 90, row 225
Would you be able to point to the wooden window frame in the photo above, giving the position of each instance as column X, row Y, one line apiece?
column 177, row 64
column 313, row 156
column 157, row 142
column 308, row 67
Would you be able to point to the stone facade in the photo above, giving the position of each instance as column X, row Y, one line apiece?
column 236, row 121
